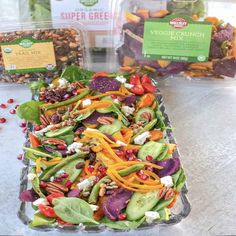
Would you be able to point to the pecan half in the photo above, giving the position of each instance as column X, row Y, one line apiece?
column 56, row 187
column 105, row 120
column 146, row 115
column 53, row 141
column 53, row 190
column 44, row 120
column 166, row 193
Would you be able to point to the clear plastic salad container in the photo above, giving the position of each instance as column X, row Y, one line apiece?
column 33, row 50
column 138, row 49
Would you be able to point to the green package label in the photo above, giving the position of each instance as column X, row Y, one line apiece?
column 177, row 38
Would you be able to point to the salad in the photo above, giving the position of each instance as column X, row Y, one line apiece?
column 99, row 153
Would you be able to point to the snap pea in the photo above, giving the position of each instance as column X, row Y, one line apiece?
column 67, row 160
column 67, row 102
column 147, row 127
column 38, row 152
column 35, row 184
column 127, row 171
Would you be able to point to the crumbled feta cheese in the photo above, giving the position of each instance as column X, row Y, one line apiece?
column 60, row 172
column 42, row 131
column 86, row 102
column 52, row 178
column 94, row 130
column 167, row 181
column 121, row 79
column 127, row 110
column 62, row 82
column 121, row 143
column 39, row 201
column 116, row 101
column 141, row 139
column 31, row 176
column 74, row 147
column 86, row 183
column 94, row 207
column 151, row 216
column 129, row 86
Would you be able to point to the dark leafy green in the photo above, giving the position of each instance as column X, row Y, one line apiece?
column 75, row 73
column 73, row 210
column 35, row 86
column 35, row 184
column 30, row 111
column 40, row 220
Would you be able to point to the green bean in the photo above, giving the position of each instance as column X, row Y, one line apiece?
column 67, row 102
column 35, row 184
column 147, row 127
column 67, row 160
column 129, row 170
column 38, row 152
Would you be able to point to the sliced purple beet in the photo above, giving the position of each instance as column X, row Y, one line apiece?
column 116, row 202
column 92, row 120
column 216, row 50
column 104, row 84
column 74, row 193
column 28, row 196
column 81, row 129
column 225, row 34
column 226, row 67
column 170, row 166
column 130, row 100
column 173, row 68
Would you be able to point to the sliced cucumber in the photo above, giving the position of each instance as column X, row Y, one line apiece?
column 59, row 132
column 164, row 214
column 111, row 129
column 153, row 149
column 140, row 203
column 139, row 117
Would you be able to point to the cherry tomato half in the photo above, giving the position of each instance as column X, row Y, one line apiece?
column 137, row 89
column 146, row 79
column 53, row 196
column 150, row 88
column 135, row 79
column 47, row 211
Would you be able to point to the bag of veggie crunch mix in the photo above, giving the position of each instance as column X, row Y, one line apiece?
column 218, row 40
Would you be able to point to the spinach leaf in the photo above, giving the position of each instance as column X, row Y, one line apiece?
column 40, row 220
column 162, row 204
column 176, row 176
column 39, row 152
column 75, row 73
column 35, row 184
column 122, row 225
column 30, row 111
column 181, row 181
column 164, row 214
column 69, row 138
column 73, row 210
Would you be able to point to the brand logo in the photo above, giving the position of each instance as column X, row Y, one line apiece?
column 26, row 43
column 178, row 23
column 88, row 3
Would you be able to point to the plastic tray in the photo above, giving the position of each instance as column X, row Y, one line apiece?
column 179, row 212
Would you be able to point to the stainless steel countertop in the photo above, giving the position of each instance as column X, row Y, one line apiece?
column 204, row 116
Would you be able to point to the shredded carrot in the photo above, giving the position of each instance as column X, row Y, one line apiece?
column 105, row 94
column 97, row 148
column 172, row 148
column 174, row 200
column 154, row 105
column 95, row 105
column 52, row 162
column 95, row 134
column 91, row 126
column 118, row 136
column 124, row 90
column 38, row 165
column 34, row 140
column 81, row 90
column 130, row 146
column 105, row 159
column 96, row 168
column 86, row 167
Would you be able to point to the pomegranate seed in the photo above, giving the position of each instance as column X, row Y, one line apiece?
column 68, row 183
column 11, row 100
column 13, row 111
column 61, row 147
column 120, row 153
column 102, row 169
column 121, row 99
column 113, row 96
column 130, row 151
column 70, row 109
column 131, row 157
column 3, row 106
column 43, row 184
column 135, row 151
column 58, row 179
column 23, row 124
column 66, row 96
column 20, row 157
column 142, row 176
column 37, row 128
column 16, row 106
column 2, row 120
column 65, row 175
column 122, row 216
column 90, row 168
column 149, row 158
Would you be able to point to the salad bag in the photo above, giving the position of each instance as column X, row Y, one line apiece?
column 33, row 50
column 209, row 53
